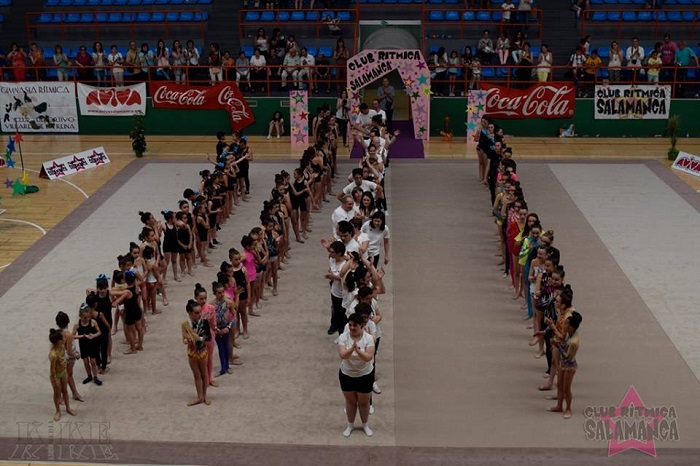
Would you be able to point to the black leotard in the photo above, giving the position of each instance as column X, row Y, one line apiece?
column 170, row 239
column 239, row 277
column 104, row 306
column 88, row 348
column 183, row 236
column 132, row 310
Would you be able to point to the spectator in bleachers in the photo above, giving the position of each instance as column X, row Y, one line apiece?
column 260, row 42
column 333, row 25
column 115, row 60
column 615, row 61
column 467, row 58
column 274, row 67
column 322, row 73
column 147, row 59
column 342, row 115
column 507, row 8
column 590, row 69
column 385, row 95
column 526, row 64
column 132, row 59
column 163, row 59
column 484, row 48
column 580, row 6
column 242, row 69
column 523, row 14
column 516, row 46
column 585, row 43
column 278, row 42
column 503, row 48
column 685, row 58
column 440, row 71
column 453, row 70
column 228, row 63
column 36, row 58
column 216, row 72
column 653, row 66
column 99, row 58
column 635, row 58
column 61, row 61
column 179, row 62
column 544, row 64
column 18, row 59
column 270, row 4
column 291, row 44
column 340, row 56
column 83, row 60
column 668, row 57
column 576, row 61
column 307, row 63
column 192, row 56
column 291, row 68
column 257, row 70
column 475, row 69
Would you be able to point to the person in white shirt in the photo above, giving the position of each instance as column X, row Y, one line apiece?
column 635, row 58
column 337, row 267
column 307, row 63
column 346, row 211
column 290, row 67
column 378, row 233
column 359, row 182
column 258, row 70
column 356, row 375
column 363, row 120
column 360, row 237
column 379, row 111
column 507, row 7
column 115, row 60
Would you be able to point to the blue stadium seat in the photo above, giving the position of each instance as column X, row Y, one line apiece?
column 312, row 50
column 107, row 2
column 248, row 50
column 436, row 15
column 326, row 50
column 452, row 2
column 204, row 2
column 660, row 16
column 120, row 2
column 624, row 2
column 483, row 16
column 172, row 16
column 405, row 1
column 298, row 16
column 670, row 2
column 45, row 18
column 148, row 2
column 639, row 2
column 496, row 16
column 187, row 16
column 696, row 2
column 610, row 2
column 101, row 17
column 66, row 3
column 52, row 2
column 596, row 2
column 688, row 16
column 312, row 16
column 603, row 73
column 502, row 72
column 162, row 2
column 644, row 16
column 603, row 52
column 614, row 16
column 115, row 18
column 433, row 49
column 452, row 16
column 79, row 2
column 599, row 16
column 391, row 1
column 629, row 16
column 72, row 17
column 177, row 2
column 128, row 17
column 58, row 17
column 674, row 15
column 267, row 15
column 158, row 17
column 535, row 51
column 87, row 18
column 685, row 2
column 48, row 52
column 468, row 16
column 143, row 17
column 327, row 13
column 201, row 16
column 251, row 16
column 283, row 16
column 436, row 2
column 134, row 2
column 487, row 72
column 94, row 2
column 344, row 15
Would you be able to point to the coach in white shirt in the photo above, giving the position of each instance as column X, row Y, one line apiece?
column 358, row 181
column 378, row 110
column 363, row 120
column 346, row 211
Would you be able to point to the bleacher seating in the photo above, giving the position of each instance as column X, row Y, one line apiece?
column 127, row 3
column 116, row 17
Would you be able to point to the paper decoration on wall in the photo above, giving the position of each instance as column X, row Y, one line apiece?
column 476, row 108
column 299, row 118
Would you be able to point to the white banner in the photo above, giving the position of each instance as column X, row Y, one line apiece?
column 58, row 168
column 632, row 102
column 38, row 107
column 112, row 101
column 688, row 163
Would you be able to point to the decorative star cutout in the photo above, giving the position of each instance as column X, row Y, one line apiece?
column 423, row 80
column 427, row 91
column 299, row 98
column 356, row 109
column 18, row 137
column 479, row 95
column 300, row 137
column 421, row 129
column 415, row 94
column 303, row 115
column 421, row 65
column 408, row 91
column 18, row 188
column 470, row 126
column 8, row 183
column 8, row 154
column 480, row 107
column 11, row 145
column 305, row 129
column 408, row 82
column 80, row 165
column 355, row 96
column 10, row 163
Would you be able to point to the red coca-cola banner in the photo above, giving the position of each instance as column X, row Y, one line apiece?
column 224, row 96
column 544, row 100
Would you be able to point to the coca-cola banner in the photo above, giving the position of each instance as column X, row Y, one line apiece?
column 632, row 102
column 225, row 96
column 112, row 101
column 543, row 100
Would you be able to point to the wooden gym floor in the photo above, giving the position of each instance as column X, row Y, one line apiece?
column 26, row 218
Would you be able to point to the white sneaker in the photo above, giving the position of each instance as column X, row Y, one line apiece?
column 371, row 409
column 376, row 389
column 348, row 430
column 269, row 137
column 368, row 431
column 278, row 136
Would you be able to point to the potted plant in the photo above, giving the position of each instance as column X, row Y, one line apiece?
column 672, row 132
column 138, row 135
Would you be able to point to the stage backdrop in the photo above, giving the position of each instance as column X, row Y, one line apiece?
column 369, row 65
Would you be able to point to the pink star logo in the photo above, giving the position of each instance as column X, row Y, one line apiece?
column 646, row 446
column 303, row 115
column 421, row 65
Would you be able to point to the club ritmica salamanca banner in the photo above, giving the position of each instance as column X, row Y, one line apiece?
column 641, row 102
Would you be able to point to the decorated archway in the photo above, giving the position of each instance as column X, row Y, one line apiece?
column 370, row 65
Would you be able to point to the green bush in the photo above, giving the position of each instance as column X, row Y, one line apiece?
column 138, row 135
